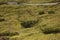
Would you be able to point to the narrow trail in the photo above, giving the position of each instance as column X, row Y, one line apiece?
column 44, row 4
column 18, row 3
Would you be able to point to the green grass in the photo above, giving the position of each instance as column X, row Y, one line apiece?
column 15, row 14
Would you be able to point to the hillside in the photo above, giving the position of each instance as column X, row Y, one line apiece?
column 23, row 22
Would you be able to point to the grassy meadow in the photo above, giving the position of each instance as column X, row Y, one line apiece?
column 22, row 22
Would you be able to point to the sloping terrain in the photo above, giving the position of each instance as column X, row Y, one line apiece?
column 22, row 22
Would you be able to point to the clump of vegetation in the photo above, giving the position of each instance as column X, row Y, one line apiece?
column 4, row 38
column 50, row 30
column 1, row 18
column 9, row 34
column 15, row 33
column 41, row 12
column 28, row 24
column 51, row 12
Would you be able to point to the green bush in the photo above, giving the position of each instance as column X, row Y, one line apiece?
column 50, row 30
column 41, row 12
column 9, row 34
column 28, row 24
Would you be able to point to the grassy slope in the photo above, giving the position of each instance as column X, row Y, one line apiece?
column 14, row 14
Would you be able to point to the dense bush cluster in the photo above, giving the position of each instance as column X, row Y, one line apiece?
column 28, row 24
column 9, row 34
column 41, row 12
column 50, row 30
